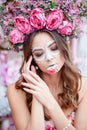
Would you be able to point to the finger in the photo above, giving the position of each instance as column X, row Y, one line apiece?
column 29, row 86
column 35, row 76
column 25, row 78
column 29, row 78
column 24, row 67
column 29, row 63
column 30, row 91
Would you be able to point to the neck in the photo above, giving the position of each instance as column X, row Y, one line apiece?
column 52, row 80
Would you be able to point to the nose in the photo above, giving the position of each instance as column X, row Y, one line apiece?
column 48, row 55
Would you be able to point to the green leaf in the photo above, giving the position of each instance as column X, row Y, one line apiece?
column 41, row 6
column 19, row 44
column 53, row 4
column 2, row 7
column 49, row 6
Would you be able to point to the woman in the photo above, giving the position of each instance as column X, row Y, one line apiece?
column 49, row 95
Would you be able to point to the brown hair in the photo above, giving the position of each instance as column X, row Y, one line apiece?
column 70, row 76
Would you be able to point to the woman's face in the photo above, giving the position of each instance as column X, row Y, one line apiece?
column 46, row 53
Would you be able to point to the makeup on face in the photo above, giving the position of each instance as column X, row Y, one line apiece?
column 48, row 52
column 52, row 69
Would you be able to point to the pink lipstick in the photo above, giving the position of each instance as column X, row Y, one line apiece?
column 52, row 69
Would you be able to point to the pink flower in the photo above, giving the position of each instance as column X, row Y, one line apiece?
column 22, row 24
column 66, row 28
column 54, row 19
column 15, row 36
column 6, row 23
column 37, row 18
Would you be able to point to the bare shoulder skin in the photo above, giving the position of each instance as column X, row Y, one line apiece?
column 21, row 115
column 20, row 112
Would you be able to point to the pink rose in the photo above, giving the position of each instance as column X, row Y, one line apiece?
column 54, row 19
column 15, row 36
column 66, row 28
column 37, row 18
column 22, row 24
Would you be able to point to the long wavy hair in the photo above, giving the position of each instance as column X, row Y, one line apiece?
column 70, row 76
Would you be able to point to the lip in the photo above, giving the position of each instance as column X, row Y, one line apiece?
column 52, row 69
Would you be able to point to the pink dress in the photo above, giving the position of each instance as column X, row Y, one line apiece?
column 49, row 125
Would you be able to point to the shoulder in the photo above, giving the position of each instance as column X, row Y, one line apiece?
column 15, row 94
column 12, row 89
column 18, row 105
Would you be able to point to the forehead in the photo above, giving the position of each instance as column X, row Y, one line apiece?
column 42, row 40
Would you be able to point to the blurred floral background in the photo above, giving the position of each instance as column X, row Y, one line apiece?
column 10, row 62
column 11, row 56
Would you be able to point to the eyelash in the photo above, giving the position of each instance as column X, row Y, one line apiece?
column 38, row 54
column 54, row 48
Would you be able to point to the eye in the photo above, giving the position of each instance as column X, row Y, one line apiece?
column 37, row 55
column 54, row 47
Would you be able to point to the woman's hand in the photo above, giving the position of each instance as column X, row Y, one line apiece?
column 27, row 65
column 36, row 86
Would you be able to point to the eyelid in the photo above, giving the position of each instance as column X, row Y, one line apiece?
column 37, row 51
column 52, row 44
column 41, row 48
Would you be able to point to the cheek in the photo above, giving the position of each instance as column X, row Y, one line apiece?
column 41, row 65
column 60, row 61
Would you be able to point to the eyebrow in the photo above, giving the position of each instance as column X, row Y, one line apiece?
column 38, row 48
column 51, row 44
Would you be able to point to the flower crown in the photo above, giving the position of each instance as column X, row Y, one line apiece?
column 31, row 16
